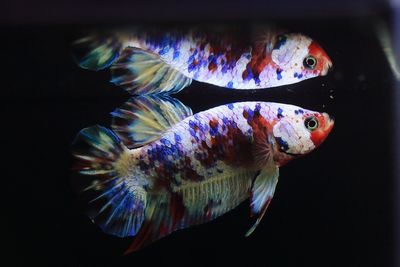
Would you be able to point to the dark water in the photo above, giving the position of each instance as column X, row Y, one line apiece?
column 334, row 207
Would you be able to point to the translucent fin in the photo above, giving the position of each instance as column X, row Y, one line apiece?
column 387, row 44
column 143, row 119
column 116, row 201
column 156, row 213
column 95, row 52
column 140, row 73
column 192, row 205
column 263, row 191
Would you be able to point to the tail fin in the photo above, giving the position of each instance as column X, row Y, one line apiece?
column 96, row 52
column 116, row 199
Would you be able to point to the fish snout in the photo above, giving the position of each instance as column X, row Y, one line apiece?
column 329, row 123
column 328, row 66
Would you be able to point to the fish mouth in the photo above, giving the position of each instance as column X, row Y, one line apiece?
column 327, row 66
column 329, row 123
column 319, row 135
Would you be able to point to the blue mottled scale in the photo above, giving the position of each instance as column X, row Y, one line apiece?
column 194, row 57
column 147, row 62
column 191, row 168
column 179, row 155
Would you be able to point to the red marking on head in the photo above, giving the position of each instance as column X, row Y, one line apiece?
column 325, row 125
column 323, row 60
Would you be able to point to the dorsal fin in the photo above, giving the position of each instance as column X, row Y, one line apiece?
column 141, row 73
column 143, row 119
column 96, row 52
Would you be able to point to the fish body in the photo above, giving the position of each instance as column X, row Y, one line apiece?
column 264, row 59
column 164, row 169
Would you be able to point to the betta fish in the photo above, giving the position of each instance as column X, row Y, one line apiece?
column 148, row 62
column 162, row 168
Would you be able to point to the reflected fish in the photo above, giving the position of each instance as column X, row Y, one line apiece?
column 161, row 168
column 151, row 62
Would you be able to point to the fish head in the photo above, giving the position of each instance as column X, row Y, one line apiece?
column 298, row 131
column 297, row 57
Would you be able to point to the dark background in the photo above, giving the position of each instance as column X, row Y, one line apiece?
column 334, row 207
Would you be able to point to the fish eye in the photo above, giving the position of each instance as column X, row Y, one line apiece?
column 311, row 123
column 310, row 62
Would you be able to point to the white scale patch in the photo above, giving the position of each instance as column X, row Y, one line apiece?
column 288, row 58
column 291, row 129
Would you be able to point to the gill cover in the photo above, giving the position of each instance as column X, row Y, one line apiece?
column 292, row 136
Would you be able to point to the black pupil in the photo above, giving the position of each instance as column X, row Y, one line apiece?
column 312, row 123
column 310, row 61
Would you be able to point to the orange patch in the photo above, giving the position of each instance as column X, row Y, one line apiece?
column 259, row 59
column 319, row 53
column 319, row 135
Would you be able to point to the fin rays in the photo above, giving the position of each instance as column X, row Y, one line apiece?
column 116, row 203
column 142, row 73
column 230, row 188
column 143, row 119
column 95, row 52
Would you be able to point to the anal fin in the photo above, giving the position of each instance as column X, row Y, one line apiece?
column 192, row 204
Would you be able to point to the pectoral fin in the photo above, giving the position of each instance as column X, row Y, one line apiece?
column 262, row 192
